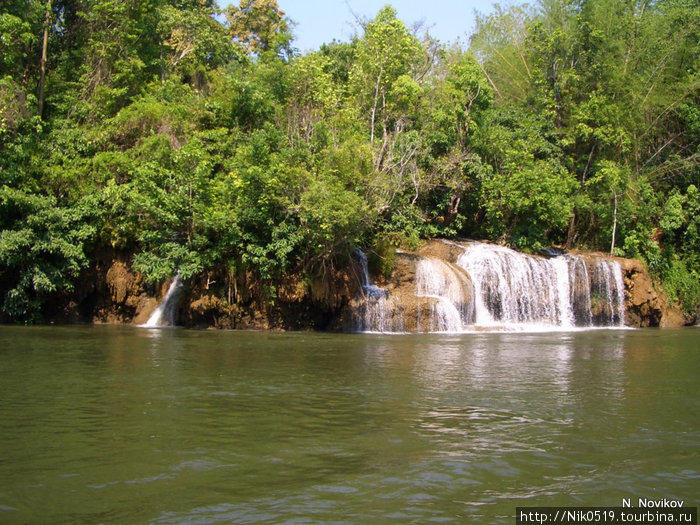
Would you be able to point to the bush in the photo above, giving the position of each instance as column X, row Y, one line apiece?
column 42, row 249
column 382, row 257
column 683, row 287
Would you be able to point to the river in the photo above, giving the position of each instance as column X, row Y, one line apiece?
column 107, row 424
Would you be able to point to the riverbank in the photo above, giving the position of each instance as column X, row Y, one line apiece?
column 112, row 292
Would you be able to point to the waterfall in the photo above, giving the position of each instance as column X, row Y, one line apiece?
column 489, row 286
column 164, row 315
column 375, row 313
column 580, row 297
column 564, row 286
column 452, row 309
column 368, row 288
column 608, row 292
column 513, row 289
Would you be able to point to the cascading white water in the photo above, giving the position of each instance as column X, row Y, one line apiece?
column 376, row 309
column 580, row 291
column 452, row 309
column 164, row 315
column 608, row 290
column 513, row 289
column 495, row 287
column 564, row 285
column 368, row 288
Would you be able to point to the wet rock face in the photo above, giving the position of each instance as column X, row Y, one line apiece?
column 110, row 291
column 209, row 311
column 128, row 300
column 244, row 301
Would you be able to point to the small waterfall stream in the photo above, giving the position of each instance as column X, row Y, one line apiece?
column 375, row 312
column 608, row 292
column 494, row 287
column 164, row 314
column 369, row 289
column 580, row 292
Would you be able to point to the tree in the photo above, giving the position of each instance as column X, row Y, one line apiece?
column 42, row 249
column 611, row 179
column 459, row 97
column 500, row 44
column 315, row 97
column 527, row 199
column 44, row 50
column 192, row 42
column 259, row 26
column 386, row 55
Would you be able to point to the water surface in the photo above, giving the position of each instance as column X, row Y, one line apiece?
column 125, row 425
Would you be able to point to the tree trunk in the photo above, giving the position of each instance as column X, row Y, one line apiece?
column 612, row 243
column 571, row 233
column 374, row 105
column 42, row 63
column 453, row 208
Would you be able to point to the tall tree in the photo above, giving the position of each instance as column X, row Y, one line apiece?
column 386, row 56
column 259, row 26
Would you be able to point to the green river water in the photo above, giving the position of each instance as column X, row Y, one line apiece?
column 103, row 424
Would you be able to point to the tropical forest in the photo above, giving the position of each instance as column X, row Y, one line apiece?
column 193, row 138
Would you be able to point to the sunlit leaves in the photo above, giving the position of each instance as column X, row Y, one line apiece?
column 386, row 53
column 332, row 216
column 192, row 40
column 15, row 38
column 259, row 26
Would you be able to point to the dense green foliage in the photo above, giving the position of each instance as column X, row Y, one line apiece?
column 201, row 141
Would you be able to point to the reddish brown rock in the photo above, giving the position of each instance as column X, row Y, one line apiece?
column 646, row 304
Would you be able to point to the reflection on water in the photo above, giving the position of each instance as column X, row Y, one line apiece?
column 112, row 424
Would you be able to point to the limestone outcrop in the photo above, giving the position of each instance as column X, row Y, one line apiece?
column 404, row 300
